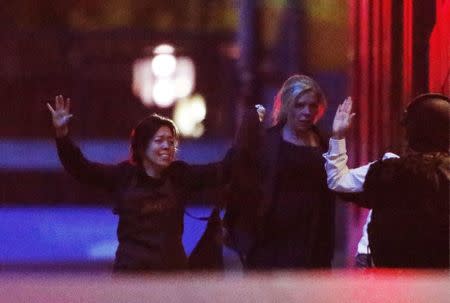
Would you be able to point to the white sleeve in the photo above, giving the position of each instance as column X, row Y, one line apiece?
column 339, row 177
column 363, row 244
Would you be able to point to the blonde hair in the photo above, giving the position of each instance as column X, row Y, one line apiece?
column 294, row 87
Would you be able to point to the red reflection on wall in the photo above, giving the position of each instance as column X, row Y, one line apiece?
column 439, row 51
column 371, row 33
column 371, row 81
column 407, row 51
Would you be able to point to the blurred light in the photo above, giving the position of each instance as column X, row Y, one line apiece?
column 188, row 115
column 143, row 80
column 164, row 49
column 181, row 118
column 163, row 79
column 232, row 51
column 198, row 108
column 184, row 77
column 146, row 94
column 198, row 131
column 183, row 87
column 164, row 92
column 164, row 65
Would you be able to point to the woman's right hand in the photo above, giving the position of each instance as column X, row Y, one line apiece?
column 60, row 115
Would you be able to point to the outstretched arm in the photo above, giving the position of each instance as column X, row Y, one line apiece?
column 71, row 157
column 339, row 177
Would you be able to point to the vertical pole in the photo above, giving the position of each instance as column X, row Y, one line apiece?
column 250, row 53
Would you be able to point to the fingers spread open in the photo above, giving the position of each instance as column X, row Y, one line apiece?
column 50, row 108
column 59, row 102
column 67, row 105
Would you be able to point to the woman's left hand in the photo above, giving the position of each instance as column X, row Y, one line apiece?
column 343, row 119
column 261, row 111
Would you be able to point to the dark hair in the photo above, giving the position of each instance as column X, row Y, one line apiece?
column 144, row 131
column 427, row 121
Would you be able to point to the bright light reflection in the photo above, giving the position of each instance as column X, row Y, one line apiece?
column 198, row 108
column 183, row 87
column 198, row 131
column 164, row 79
column 164, row 49
column 188, row 115
column 164, row 92
column 143, row 80
column 146, row 94
column 164, row 65
column 184, row 77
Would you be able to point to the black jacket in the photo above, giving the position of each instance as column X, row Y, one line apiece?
column 410, row 218
column 150, row 210
column 252, row 189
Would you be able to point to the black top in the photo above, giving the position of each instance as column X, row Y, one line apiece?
column 150, row 210
column 299, row 187
column 410, row 218
column 280, row 212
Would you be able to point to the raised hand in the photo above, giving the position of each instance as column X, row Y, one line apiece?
column 343, row 119
column 261, row 111
column 60, row 115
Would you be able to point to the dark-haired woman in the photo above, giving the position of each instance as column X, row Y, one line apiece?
column 149, row 190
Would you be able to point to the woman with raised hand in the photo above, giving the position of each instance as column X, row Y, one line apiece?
column 408, row 225
column 149, row 189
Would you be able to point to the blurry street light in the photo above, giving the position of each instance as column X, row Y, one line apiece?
column 163, row 92
column 184, row 77
column 163, row 78
column 164, row 49
column 163, row 65
column 189, row 114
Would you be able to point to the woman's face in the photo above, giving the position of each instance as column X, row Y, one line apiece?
column 302, row 112
column 160, row 152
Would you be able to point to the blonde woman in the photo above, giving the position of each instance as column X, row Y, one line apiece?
column 281, row 212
